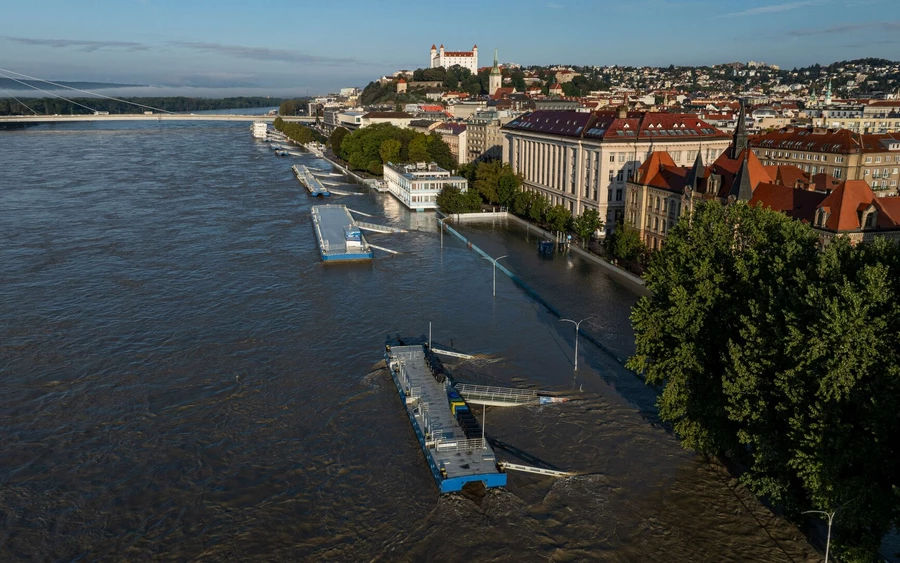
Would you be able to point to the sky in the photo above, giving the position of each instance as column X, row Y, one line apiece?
column 220, row 48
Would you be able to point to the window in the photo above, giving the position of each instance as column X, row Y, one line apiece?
column 868, row 159
column 878, row 160
column 622, row 157
column 839, row 159
column 837, row 172
column 655, row 223
column 618, row 195
column 612, row 157
column 656, row 206
column 620, row 175
column 866, row 172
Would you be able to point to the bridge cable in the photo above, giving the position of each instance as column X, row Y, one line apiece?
column 47, row 92
column 21, row 103
column 87, row 92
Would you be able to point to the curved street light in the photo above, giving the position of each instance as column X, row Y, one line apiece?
column 577, row 326
column 830, row 516
column 495, row 260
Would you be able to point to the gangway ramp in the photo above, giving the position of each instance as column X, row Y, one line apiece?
column 359, row 213
column 454, row 354
column 537, row 470
column 497, row 396
column 378, row 228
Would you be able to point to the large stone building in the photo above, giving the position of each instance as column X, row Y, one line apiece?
column 582, row 160
column 484, row 139
column 841, row 153
column 456, row 136
column 446, row 59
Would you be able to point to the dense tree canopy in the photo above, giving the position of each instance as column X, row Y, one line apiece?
column 451, row 200
column 783, row 357
column 625, row 243
column 585, row 224
column 298, row 132
column 368, row 148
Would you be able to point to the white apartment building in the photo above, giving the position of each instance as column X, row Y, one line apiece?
column 583, row 160
column 417, row 185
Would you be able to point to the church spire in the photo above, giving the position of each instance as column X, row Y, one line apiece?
column 828, row 97
column 696, row 173
column 496, row 69
column 741, row 187
column 739, row 141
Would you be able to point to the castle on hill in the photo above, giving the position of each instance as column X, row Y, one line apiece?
column 446, row 59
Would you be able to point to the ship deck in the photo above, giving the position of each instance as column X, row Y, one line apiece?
column 329, row 222
column 453, row 458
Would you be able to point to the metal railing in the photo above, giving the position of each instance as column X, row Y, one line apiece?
column 498, row 394
column 458, row 445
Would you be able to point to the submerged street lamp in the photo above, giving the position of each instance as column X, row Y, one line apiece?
column 495, row 260
column 577, row 325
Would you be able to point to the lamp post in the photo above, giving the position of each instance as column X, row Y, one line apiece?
column 577, row 325
column 441, row 221
column 495, row 260
column 830, row 516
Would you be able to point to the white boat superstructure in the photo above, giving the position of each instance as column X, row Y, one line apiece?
column 259, row 129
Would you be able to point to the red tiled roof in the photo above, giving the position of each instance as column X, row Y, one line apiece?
column 386, row 115
column 787, row 174
column 888, row 212
column 660, row 171
column 841, row 141
column 728, row 167
column 795, row 203
column 844, row 204
column 607, row 125
column 459, row 54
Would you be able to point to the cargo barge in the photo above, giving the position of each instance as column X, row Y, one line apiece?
column 338, row 236
column 309, row 181
column 450, row 437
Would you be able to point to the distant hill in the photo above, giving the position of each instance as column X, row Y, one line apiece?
column 10, row 84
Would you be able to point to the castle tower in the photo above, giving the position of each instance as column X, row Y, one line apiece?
column 495, row 80
column 433, row 62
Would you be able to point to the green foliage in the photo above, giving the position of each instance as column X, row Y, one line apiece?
column 439, row 152
column 783, row 357
column 390, row 150
column 537, row 207
column 585, row 224
column 418, row 149
column 451, row 200
column 625, row 243
column 337, row 138
column 495, row 181
column 558, row 218
column 298, row 132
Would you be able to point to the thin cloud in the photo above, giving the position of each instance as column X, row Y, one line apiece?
column 79, row 44
column 555, row 6
column 774, row 8
column 262, row 53
column 848, row 28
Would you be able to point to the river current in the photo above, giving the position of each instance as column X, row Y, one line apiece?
column 181, row 377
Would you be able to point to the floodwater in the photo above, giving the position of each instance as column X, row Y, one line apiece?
column 183, row 379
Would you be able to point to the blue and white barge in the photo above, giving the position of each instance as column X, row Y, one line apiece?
column 338, row 235
column 452, row 441
column 309, row 181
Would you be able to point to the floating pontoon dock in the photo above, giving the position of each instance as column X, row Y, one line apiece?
column 309, row 181
column 337, row 235
column 451, row 439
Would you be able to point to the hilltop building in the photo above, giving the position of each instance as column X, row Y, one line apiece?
column 446, row 59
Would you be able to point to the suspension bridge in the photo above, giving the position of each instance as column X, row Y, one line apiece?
column 142, row 112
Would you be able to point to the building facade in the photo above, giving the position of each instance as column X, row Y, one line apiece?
column 484, row 139
column 841, row 153
column 417, row 185
column 446, row 59
column 582, row 160
column 456, row 136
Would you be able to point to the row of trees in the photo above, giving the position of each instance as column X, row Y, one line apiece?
column 784, row 358
column 370, row 147
column 496, row 184
column 298, row 132
column 50, row 106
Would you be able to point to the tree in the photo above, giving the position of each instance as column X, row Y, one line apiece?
column 451, row 200
column 782, row 357
column 390, row 150
column 507, row 186
column 625, row 243
column 439, row 152
column 558, row 218
column 487, row 180
column 538, row 207
column 337, row 137
column 418, row 149
column 586, row 223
